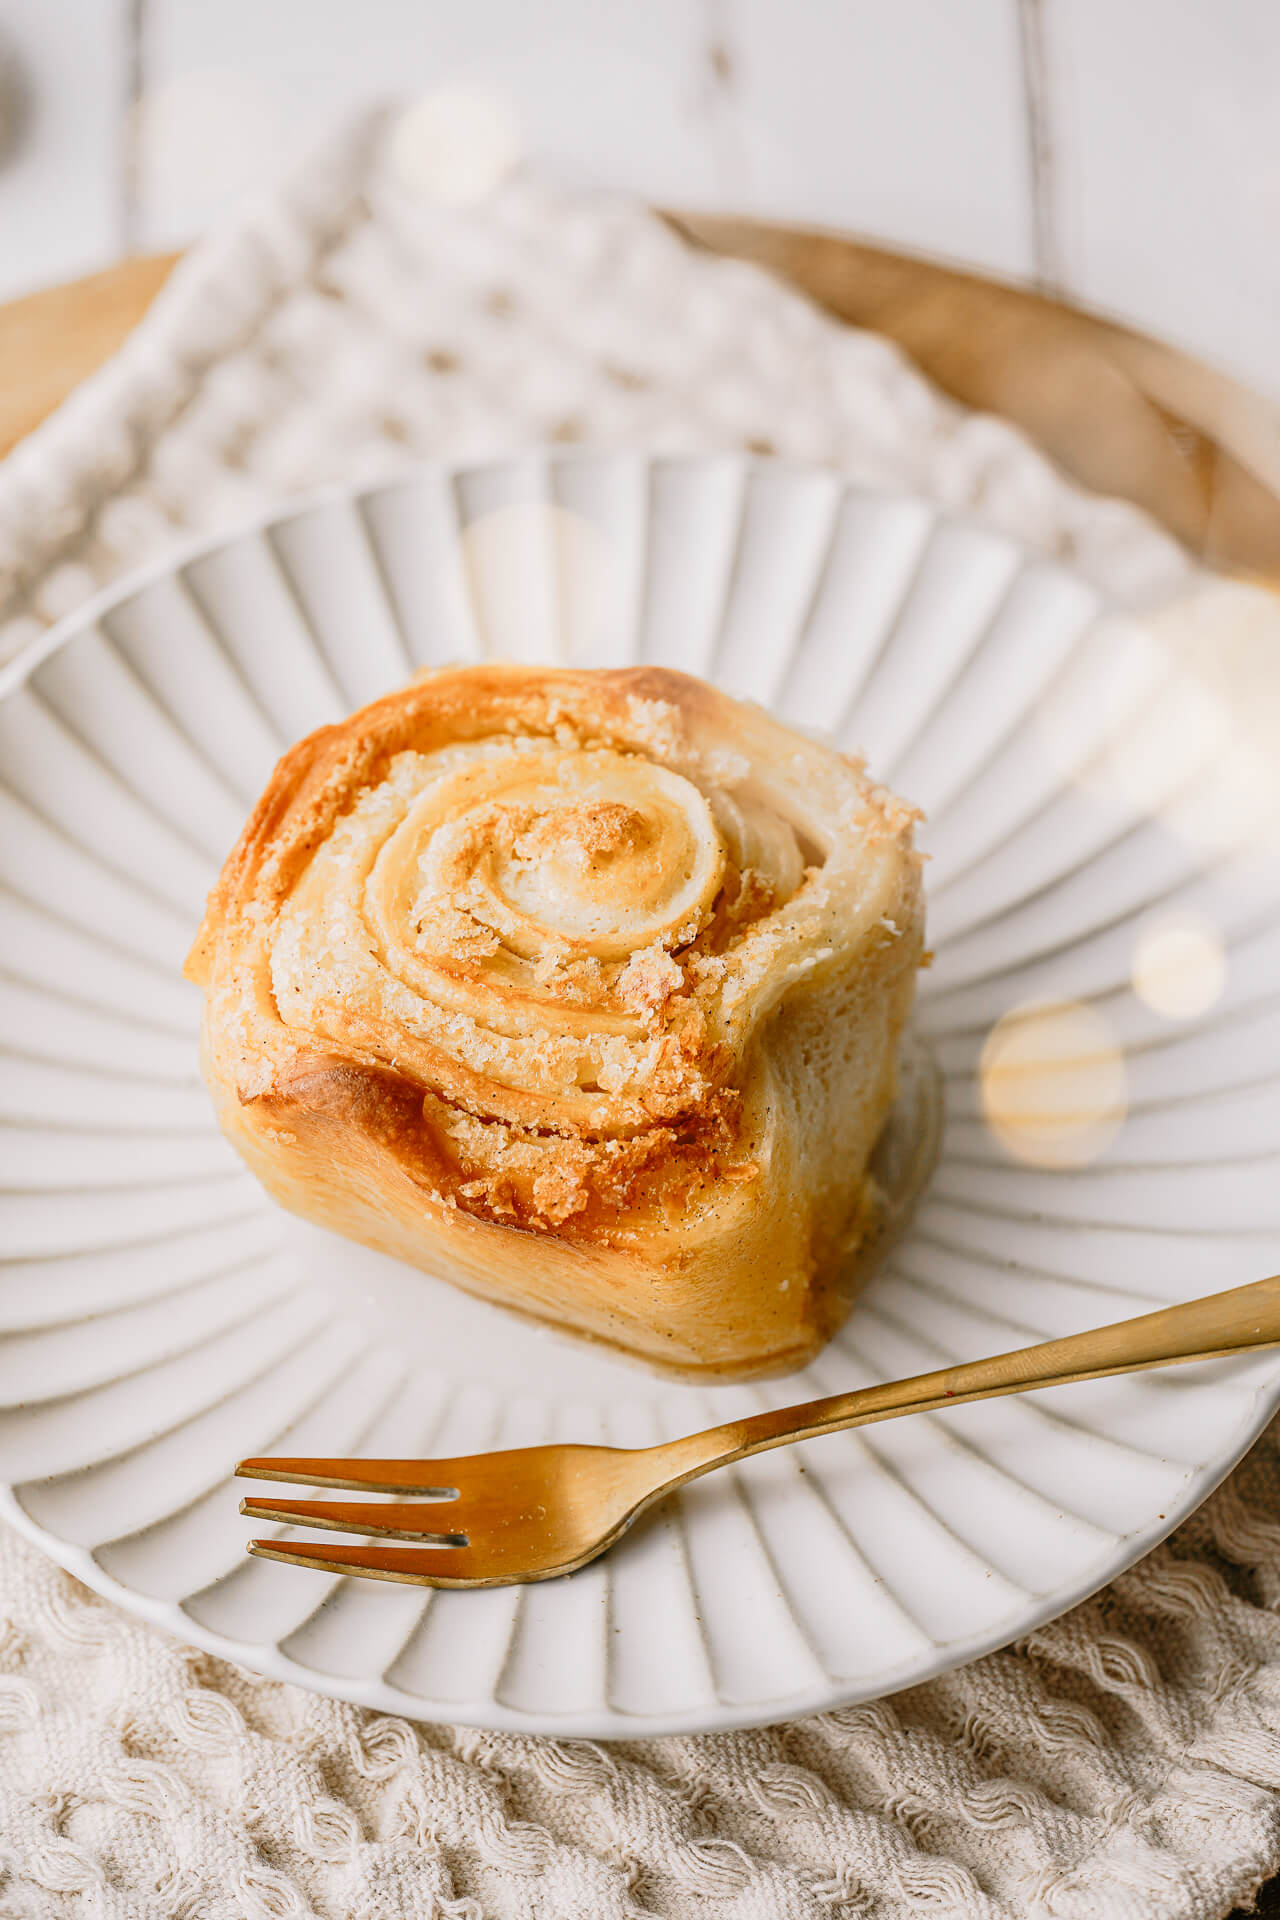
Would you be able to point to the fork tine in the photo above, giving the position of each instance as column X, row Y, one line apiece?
column 412, row 1566
column 390, row 1521
column 355, row 1476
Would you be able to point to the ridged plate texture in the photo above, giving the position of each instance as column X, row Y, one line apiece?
column 1101, row 1007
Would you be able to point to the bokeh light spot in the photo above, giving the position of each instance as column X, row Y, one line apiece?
column 455, row 145
column 1179, row 965
column 1054, row 1087
column 538, row 575
column 1176, row 715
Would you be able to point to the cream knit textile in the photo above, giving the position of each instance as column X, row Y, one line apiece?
column 1123, row 1761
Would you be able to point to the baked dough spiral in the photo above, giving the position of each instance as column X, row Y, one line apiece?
column 582, row 990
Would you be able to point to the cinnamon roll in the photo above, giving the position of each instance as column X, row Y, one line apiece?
column 580, row 989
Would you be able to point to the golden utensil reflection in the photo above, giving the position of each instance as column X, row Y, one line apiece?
column 500, row 1519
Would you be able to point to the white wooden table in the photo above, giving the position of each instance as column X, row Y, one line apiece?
column 1123, row 152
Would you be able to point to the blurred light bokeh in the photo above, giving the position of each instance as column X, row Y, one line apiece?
column 1180, row 965
column 1054, row 1086
column 456, row 145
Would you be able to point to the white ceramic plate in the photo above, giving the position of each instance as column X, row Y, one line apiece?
column 159, row 1318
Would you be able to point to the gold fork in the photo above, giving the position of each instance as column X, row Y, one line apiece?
column 496, row 1519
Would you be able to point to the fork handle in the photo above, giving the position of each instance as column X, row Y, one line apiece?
column 1242, row 1320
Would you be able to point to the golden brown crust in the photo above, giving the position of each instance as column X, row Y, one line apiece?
column 607, row 960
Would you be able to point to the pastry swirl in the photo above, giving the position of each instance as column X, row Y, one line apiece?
column 580, row 989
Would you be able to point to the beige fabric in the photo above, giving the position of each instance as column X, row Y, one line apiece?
column 1124, row 1761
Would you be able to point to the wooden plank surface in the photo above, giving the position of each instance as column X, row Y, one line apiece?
column 62, row 101
column 606, row 94
column 1166, row 145
column 906, row 121
column 1128, row 156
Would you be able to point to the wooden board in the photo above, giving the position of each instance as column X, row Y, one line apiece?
column 1119, row 412
column 51, row 341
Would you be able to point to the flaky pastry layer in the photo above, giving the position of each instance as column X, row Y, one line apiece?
column 580, row 989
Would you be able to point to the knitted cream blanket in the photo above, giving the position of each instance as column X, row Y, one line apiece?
column 1123, row 1761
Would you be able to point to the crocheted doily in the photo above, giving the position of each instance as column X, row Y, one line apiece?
column 1123, row 1761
